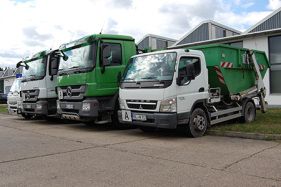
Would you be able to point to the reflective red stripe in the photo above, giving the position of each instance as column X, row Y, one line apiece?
column 226, row 65
column 219, row 74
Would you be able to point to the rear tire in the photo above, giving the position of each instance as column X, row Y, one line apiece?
column 249, row 113
column 198, row 123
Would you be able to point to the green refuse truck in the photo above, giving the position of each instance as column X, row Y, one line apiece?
column 196, row 88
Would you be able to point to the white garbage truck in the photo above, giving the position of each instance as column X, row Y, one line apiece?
column 196, row 88
column 13, row 98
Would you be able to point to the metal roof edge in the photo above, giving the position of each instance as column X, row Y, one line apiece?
column 203, row 22
column 229, row 38
column 156, row 36
column 263, row 20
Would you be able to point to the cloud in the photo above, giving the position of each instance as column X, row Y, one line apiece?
column 274, row 4
column 122, row 4
column 29, row 26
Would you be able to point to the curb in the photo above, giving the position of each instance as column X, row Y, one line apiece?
column 255, row 136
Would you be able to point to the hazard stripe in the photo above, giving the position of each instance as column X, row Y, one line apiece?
column 226, row 64
column 219, row 74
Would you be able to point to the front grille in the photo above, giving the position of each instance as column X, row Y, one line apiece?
column 142, row 104
column 12, row 102
column 70, row 110
column 30, row 95
column 74, row 92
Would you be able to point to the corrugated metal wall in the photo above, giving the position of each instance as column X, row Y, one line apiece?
column 272, row 23
column 144, row 44
column 200, row 34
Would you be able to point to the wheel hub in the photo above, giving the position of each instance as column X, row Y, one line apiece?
column 199, row 122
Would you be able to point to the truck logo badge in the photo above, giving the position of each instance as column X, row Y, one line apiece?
column 140, row 107
column 68, row 92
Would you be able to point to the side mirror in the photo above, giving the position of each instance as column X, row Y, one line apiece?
column 19, row 64
column 54, row 64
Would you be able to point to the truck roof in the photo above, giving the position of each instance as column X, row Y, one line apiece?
column 38, row 55
column 182, row 50
column 90, row 38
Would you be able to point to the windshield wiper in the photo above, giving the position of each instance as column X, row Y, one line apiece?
column 149, row 78
column 74, row 67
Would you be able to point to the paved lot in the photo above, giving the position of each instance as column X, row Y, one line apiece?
column 34, row 153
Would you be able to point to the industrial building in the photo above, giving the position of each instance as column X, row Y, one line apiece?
column 155, row 42
column 264, row 36
column 7, row 78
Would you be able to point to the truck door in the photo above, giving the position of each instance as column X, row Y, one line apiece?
column 190, row 91
column 110, row 66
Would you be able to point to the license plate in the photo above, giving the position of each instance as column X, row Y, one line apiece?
column 60, row 94
column 69, row 106
column 28, row 106
column 139, row 117
column 126, row 115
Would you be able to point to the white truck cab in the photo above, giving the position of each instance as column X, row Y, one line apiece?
column 14, row 99
column 168, row 88
column 38, row 84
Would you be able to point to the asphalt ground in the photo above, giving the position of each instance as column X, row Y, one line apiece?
column 43, row 153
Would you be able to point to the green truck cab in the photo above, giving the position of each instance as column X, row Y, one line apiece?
column 89, row 72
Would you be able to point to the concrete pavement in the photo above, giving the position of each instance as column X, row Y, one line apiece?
column 41, row 153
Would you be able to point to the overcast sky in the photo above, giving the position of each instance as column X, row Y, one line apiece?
column 29, row 26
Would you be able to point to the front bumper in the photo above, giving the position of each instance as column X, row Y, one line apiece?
column 158, row 120
column 40, row 107
column 12, row 109
column 75, row 109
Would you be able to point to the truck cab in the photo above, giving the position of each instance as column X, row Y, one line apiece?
column 14, row 99
column 88, row 77
column 38, row 84
column 175, row 87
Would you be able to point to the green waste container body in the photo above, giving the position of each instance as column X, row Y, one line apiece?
column 227, row 69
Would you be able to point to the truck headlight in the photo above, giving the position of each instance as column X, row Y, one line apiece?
column 86, row 107
column 168, row 105
column 19, row 104
column 122, row 103
column 38, row 106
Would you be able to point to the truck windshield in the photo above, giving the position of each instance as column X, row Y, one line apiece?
column 80, row 58
column 36, row 70
column 16, row 86
column 156, row 67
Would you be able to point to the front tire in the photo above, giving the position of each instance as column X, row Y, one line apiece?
column 27, row 116
column 198, row 123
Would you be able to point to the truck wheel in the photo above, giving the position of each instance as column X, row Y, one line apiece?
column 249, row 114
column 198, row 123
column 26, row 116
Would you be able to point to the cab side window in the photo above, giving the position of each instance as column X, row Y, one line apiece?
column 111, row 52
column 189, row 60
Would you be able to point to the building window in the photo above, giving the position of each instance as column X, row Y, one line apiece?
column 224, row 33
column 275, row 61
